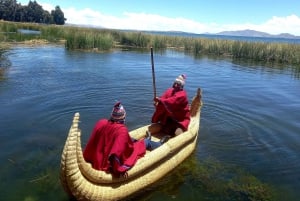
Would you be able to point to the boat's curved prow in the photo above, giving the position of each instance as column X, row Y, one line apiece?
column 196, row 103
column 69, row 145
column 83, row 182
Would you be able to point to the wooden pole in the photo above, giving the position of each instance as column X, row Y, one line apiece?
column 153, row 74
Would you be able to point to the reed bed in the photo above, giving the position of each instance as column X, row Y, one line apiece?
column 105, row 39
column 88, row 40
column 9, row 31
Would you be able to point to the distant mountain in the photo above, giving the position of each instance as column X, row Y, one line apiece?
column 243, row 33
column 253, row 33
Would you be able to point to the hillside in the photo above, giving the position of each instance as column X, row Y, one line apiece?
column 253, row 33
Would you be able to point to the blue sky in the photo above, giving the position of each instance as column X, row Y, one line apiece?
column 196, row 16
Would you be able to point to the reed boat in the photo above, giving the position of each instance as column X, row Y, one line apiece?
column 82, row 182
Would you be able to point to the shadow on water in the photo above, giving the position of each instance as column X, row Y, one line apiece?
column 208, row 180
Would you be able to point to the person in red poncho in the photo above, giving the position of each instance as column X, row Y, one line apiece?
column 172, row 112
column 110, row 147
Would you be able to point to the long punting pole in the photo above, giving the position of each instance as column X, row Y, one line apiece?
column 153, row 73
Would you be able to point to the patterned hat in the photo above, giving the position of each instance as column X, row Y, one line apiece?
column 118, row 112
column 181, row 79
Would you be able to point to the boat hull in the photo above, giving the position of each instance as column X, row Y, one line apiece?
column 83, row 182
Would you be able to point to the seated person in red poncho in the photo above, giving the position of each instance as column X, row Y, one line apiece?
column 110, row 147
column 172, row 112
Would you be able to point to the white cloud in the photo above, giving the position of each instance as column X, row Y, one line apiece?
column 288, row 24
column 47, row 7
column 136, row 21
column 143, row 21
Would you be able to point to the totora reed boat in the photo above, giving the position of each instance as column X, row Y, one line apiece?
column 82, row 182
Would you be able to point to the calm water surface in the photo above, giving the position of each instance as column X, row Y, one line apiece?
column 250, row 118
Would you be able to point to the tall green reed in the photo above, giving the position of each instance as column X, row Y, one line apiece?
column 105, row 39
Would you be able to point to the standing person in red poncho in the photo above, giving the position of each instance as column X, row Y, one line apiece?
column 110, row 147
column 172, row 113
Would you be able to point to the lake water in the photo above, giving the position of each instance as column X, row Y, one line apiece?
column 249, row 121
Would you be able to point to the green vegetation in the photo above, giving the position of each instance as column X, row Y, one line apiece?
column 36, row 176
column 224, row 182
column 11, row 10
column 104, row 39
column 77, row 38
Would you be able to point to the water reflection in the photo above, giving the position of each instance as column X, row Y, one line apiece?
column 28, row 31
column 248, row 64
column 4, row 65
column 270, row 67
column 296, row 72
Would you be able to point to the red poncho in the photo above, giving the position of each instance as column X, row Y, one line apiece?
column 108, row 139
column 173, row 104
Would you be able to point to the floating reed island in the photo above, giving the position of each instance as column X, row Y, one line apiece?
column 96, row 39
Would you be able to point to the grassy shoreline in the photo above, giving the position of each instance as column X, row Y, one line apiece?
column 93, row 39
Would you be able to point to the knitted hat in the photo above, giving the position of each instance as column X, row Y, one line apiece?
column 118, row 112
column 181, row 79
